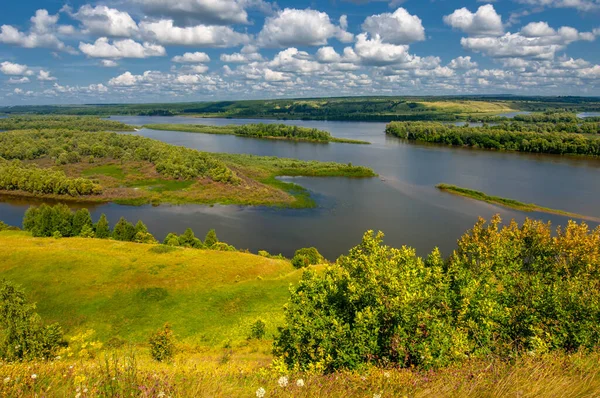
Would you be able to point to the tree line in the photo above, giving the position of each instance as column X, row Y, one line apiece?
column 68, row 146
column 282, row 130
column 497, row 138
column 82, row 123
column 15, row 175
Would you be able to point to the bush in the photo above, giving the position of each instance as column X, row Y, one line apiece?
column 124, row 231
column 6, row 227
column 188, row 239
column 307, row 256
column 503, row 292
column 22, row 333
column 258, row 330
column 102, row 229
column 162, row 344
column 171, row 240
column 210, row 239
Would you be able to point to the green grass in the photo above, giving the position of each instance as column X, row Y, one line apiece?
column 510, row 203
column 128, row 290
column 162, row 185
column 231, row 130
column 105, row 170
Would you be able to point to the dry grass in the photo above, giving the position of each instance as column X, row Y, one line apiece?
column 470, row 107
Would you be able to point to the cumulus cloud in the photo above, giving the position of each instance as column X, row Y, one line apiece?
column 536, row 41
column 45, row 76
column 166, row 33
column 581, row 5
column 9, row 68
column 397, row 28
column 127, row 48
column 15, row 80
column 485, row 22
column 104, row 21
column 375, row 52
column 42, row 34
column 197, row 57
column 293, row 27
column 211, row 12
column 462, row 63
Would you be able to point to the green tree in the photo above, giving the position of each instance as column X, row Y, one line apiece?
column 188, row 239
column 22, row 333
column 171, row 240
column 307, row 256
column 162, row 344
column 102, row 229
column 211, row 239
column 81, row 218
column 124, row 230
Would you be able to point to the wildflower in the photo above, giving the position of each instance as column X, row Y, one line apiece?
column 386, row 375
column 78, row 395
column 34, row 376
column 260, row 393
column 300, row 383
column 283, row 381
column 85, row 390
column 377, row 395
column 161, row 394
column 6, row 380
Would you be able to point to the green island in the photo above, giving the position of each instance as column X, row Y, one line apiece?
column 260, row 130
column 384, row 109
column 109, row 167
column 513, row 311
column 570, row 138
column 510, row 203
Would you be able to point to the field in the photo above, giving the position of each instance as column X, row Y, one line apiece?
column 471, row 108
column 123, row 291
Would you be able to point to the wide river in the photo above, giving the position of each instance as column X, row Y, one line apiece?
column 403, row 202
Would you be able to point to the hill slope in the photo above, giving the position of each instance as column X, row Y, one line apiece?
column 128, row 290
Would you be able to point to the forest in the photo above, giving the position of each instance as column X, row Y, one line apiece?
column 31, row 122
column 384, row 109
column 510, row 137
column 259, row 130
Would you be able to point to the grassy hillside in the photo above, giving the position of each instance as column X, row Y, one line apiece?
column 129, row 290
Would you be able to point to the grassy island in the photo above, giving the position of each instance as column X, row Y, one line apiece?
column 101, row 166
column 260, row 130
column 510, row 203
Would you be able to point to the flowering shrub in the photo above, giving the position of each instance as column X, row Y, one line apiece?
column 503, row 291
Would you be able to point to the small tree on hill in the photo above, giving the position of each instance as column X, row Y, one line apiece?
column 171, row 240
column 188, row 239
column 307, row 256
column 81, row 219
column 102, row 229
column 211, row 238
column 124, row 230
column 162, row 344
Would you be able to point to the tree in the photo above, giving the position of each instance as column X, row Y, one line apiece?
column 23, row 334
column 45, row 220
column 188, row 239
column 81, row 219
column 142, row 235
column 171, row 240
column 140, row 227
column 162, row 344
column 124, row 230
column 87, row 232
column 307, row 256
column 102, row 229
column 211, row 238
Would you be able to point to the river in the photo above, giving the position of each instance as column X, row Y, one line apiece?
column 403, row 202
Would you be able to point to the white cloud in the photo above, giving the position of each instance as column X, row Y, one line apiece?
column 375, row 52
column 200, row 69
column 108, row 63
column 99, row 88
column 248, row 53
column 165, row 32
column 126, row 79
column 22, row 80
column 581, row 5
column 105, row 21
column 9, row 68
column 45, row 76
column 397, row 28
column 211, row 12
column 121, row 49
column 40, row 35
column 293, row 27
column 462, row 63
column 197, row 57
column 484, row 22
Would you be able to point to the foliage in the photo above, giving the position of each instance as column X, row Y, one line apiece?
column 504, row 291
column 30, row 178
column 307, row 256
column 82, row 346
column 6, row 227
column 258, row 329
column 46, row 220
column 102, row 229
column 124, row 230
column 61, row 122
column 67, row 146
column 188, row 239
column 498, row 138
column 22, row 333
column 211, row 239
column 82, row 218
column 162, row 344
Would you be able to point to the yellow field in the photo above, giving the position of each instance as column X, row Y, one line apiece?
column 470, row 107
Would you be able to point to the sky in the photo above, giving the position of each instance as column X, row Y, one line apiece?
column 123, row 51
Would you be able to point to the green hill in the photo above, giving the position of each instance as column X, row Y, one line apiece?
column 128, row 290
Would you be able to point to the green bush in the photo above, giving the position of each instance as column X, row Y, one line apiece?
column 124, row 230
column 162, row 344
column 23, row 336
column 211, row 239
column 504, row 291
column 258, row 330
column 307, row 256
column 102, row 229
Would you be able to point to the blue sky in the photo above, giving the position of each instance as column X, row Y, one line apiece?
column 54, row 51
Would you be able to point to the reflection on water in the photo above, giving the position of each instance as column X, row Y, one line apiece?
column 402, row 202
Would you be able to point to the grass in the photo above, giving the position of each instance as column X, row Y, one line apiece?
column 128, row 290
column 470, row 107
column 109, row 170
column 231, row 130
column 510, row 203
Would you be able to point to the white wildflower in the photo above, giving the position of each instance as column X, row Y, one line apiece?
column 377, row 395
column 34, row 376
column 78, row 395
column 386, row 375
column 161, row 394
column 260, row 393
column 6, row 380
column 283, row 381
column 85, row 390
column 300, row 383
